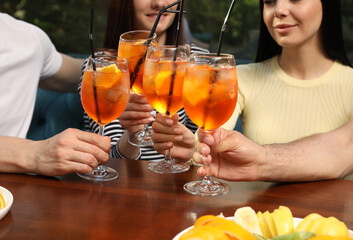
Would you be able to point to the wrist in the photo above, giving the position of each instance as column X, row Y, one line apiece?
column 125, row 149
column 118, row 154
column 275, row 164
column 264, row 163
column 29, row 162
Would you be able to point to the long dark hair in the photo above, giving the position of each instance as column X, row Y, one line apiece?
column 331, row 29
column 121, row 19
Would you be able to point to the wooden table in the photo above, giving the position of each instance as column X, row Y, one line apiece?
column 144, row 205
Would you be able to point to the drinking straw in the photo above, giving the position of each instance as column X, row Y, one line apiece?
column 94, row 66
column 91, row 39
column 171, row 89
column 180, row 17
column 224, row 27
column 140, row 61
column 214, row 75
column 163, row 10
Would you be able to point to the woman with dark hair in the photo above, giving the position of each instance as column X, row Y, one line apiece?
column 302, row 81
column 127, row 15
column 331, row 30
column 300, row 85
column 124, row 16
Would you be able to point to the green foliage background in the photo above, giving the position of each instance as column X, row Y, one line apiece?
column 67, row 22
column 208, row 17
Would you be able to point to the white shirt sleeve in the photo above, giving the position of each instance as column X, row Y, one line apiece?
column 52, row 59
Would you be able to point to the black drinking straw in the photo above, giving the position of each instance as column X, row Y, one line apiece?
column 94, row 66
column 140, row 61
column 171, row 89
column 163, row 10
column 180, row 17
column 224, row 27
column 91, row 39
column 214, row 75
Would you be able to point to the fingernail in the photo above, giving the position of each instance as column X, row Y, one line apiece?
column 177, row 131
column 169, row 121
column 169, row 145
column 202, row 150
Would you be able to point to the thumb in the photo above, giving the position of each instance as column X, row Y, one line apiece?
column 227, row 139
column 205, row 137
column 175, row 118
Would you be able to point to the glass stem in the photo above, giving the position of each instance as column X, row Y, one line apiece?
column 145, row 128
column 207, row 178
column 168, row 157
column 101, row 133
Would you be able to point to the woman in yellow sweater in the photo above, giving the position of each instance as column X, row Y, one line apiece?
column 300, row 85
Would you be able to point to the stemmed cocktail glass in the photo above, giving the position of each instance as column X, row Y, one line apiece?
column 162, row 85
column 210, row 94
column 104, row 95
column 133, row 46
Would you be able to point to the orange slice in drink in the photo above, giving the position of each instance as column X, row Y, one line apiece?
column 109, row 69
column 197, row 81
column 111, row 75
column 2, row 202
column 140, row 42
column 162, row 82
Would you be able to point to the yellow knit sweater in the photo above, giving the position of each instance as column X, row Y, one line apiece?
column 276, row 108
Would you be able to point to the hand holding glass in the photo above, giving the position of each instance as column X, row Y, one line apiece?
column 210, row 94
column 104, row 96
column 162, row 85
column 133, row 46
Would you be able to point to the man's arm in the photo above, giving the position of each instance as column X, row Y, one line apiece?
column 72, row 150
column 67, row 78
column 321, row 156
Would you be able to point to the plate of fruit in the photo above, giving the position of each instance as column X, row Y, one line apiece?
column 280, row 224
column 6, row 200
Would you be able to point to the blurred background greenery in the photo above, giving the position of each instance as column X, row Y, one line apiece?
column 67, row 23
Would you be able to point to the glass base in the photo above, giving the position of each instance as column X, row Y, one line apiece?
column 206, row 188
column 100, row 174
column 168, row 167
column 142, row 138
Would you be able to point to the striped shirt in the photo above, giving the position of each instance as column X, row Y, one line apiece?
column 114, row 130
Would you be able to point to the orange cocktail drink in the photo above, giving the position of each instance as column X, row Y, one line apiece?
column 164, row 76
column 105, row 93
column 163, row 83
column 133, row 46
column 210, row 93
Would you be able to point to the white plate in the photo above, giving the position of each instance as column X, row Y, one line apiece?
column 8, row 201
column 296, row 221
